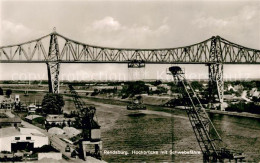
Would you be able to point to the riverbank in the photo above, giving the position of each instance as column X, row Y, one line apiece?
column 242, row 114
column 118, row 101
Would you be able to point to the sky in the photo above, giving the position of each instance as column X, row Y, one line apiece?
column 129, row 24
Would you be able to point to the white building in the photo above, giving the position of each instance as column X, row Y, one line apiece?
column 254, row 92
column 13, row 139
column 151, row 87
column 230, row 87
column 16, row 98
column 32, row 108
column 107, row 87
column 165, row 86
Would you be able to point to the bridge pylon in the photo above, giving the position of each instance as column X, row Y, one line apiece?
column 216, row 82
column 53, row 65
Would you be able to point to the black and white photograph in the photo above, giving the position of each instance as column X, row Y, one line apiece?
column 108, row 81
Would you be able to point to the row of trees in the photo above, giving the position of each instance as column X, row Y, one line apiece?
column 138, row 87
column 103, row 91
column 134, row 88
column 244, row 107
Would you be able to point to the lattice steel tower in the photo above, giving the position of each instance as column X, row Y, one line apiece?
column 208, row 138
column 53, row 64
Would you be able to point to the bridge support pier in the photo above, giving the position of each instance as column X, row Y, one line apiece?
column 216, row 82
column 53, row 76
column 53, row 65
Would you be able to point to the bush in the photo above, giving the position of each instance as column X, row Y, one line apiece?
column 157, row 82
column 39, row 120
column 45, row 148
column 96, row 92
column 1, row 91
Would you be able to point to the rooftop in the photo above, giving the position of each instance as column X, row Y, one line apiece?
column 9, row 131
column 10, row 120
column 12, row 131
column 31, row 117
column 57, row 118
column 30, row 131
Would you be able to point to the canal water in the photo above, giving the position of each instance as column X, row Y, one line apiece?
column 139, row 137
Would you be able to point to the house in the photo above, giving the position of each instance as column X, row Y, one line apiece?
column 107, row 87
column 151, row 87
column 15, row 122
column 16, row 100
column 32, row 108
column 165, row 86
column 59, row 120
column 15, row 139
column 230, row 87
column 238, row 87
column 229, row 97
column 253, row 92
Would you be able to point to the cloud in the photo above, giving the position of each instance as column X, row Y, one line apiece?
column 10, row 31
column 241, row 28
column 205, row 21
column 249, row 12
column 108, row 23
column 246, row 15
column 7, row 25
column 110, row 32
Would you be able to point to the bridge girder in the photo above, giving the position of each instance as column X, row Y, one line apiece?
column 73, row 51
column 214, row 51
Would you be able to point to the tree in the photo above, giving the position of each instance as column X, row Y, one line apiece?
column 52, row 103
column 134, row 88
column 8, row 92
column 96, row 92
column 1, row 91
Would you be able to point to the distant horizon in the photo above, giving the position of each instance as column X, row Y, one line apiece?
column 145, row 80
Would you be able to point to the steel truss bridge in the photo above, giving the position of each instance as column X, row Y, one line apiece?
column 54, row 49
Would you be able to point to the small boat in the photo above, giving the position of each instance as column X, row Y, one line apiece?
column 134, row 106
